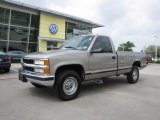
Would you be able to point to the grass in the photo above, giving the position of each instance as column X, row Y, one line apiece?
column 156, row 62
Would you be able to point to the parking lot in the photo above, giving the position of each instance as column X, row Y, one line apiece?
column 115, row 99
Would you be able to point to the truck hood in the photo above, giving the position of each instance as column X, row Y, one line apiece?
column 54, row 53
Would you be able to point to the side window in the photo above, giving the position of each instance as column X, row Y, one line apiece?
column 19, row 53
column 13, row 52
column 104, row 43
column 16, row 52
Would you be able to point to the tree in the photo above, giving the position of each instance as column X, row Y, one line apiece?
column 151, row 50
column 126, row 46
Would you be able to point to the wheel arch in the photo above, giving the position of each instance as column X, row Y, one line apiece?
column 137, row 63
column 75, row 67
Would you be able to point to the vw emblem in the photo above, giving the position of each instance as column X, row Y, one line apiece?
column 53, row 28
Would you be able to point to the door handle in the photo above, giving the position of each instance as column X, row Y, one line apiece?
column 113, row 57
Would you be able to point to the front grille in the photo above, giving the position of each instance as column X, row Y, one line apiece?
column 28, row 61
column 28, row 69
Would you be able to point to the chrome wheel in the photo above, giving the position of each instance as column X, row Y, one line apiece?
column 135, row 75
column 70, row 86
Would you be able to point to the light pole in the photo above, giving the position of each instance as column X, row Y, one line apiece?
column 156, row 48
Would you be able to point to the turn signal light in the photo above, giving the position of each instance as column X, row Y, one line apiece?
column 46, row 63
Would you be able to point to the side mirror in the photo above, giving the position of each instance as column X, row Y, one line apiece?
column 100, row 50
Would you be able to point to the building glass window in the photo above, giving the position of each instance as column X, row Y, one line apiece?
column 18, row 34
column 17, row 46
column 69, row 29
column 20, row 18
column 4, row 15
column 73, row 29
column 33, row 37
column 82, row 27
column 3, row 32
column 52, row 45
column 89, row 29
column 32, row 47
column 3, row 46
column 35, row 21
column 23, row 32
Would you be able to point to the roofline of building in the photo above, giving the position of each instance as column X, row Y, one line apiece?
column 13, row 2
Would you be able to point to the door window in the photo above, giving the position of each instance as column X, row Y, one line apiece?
column 104, row 44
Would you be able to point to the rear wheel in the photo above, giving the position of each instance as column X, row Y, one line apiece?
column 133, row 76
column 37, row 85
column 68, row 85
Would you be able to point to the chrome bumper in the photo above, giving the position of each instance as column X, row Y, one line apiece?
column 37, row 78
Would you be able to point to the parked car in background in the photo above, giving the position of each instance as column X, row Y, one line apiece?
column 15, row 55
column 5, row 62
column 149, row 58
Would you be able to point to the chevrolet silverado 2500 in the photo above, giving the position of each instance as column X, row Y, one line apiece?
column 81, row 58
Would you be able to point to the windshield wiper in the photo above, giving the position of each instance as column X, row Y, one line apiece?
column 70, row 47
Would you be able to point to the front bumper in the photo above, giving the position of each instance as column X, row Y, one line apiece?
column 41, row 79
column 5, row 65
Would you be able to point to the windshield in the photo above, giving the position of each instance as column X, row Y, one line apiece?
column 2, row 53
column 78, row 42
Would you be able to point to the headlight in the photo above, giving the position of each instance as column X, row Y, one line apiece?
column 39, row 70
column 39, row 62
column 42, row 63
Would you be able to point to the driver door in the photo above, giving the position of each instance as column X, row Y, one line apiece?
column 104, row 63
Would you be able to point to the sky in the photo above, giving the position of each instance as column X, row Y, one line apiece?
column 137, row 21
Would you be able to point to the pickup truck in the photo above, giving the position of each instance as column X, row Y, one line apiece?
column 81, row 58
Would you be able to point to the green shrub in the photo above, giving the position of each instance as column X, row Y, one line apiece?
column 157, row 62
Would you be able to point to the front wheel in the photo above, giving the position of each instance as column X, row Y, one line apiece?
column 133, row 76
column 68, row 85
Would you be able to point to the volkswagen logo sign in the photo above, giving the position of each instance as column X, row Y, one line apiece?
column 53, row 28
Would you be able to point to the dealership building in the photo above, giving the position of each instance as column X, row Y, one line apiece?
column 29, row 29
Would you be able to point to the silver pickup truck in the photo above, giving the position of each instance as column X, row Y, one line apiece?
column 81, row 58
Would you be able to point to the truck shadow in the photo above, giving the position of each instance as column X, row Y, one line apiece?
column 47, row 93
column 108, row 85
column 87, row 88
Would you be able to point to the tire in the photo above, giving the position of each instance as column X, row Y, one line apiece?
column 7, row 70
column 37, row 85
column 68, row 85
column 133, row 76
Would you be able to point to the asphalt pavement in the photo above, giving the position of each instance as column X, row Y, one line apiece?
column 115, row 99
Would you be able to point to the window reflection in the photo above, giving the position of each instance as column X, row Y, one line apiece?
column 33, row 35
column 18, row 34
column 20, row 18
column 4, row 15
column 52, row 45
column 17, row 46
column 35, row 21
column 32, row 47
column 3, row 32
column 3, row 46
column 20, row 25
